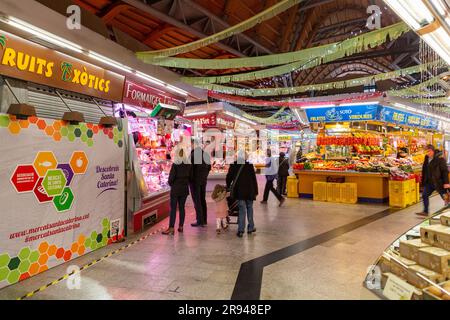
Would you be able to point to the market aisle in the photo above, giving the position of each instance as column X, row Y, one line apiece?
column 202, row 265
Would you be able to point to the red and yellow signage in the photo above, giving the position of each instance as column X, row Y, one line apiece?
column 24, row 60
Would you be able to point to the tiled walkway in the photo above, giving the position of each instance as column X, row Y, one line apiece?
column 202, row 265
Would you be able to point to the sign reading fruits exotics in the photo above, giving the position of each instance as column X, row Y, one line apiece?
column 61, row 189
column 28, row 61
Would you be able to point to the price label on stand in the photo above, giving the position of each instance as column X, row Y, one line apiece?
column 398, row 289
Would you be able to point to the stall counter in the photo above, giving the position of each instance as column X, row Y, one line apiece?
column 372, row 187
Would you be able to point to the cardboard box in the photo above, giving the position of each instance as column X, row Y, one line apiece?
column 436, row 259
column 409, row 249
column 399, row 266
column 445, row 219
column 429, row 234
column 417, row 281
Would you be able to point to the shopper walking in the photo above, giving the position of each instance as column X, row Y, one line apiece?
column 201, row 162
column 243, row 187
column 434, row 177
column 180, row 175
column 283, row 173
column 271, row 173
column 219, row 196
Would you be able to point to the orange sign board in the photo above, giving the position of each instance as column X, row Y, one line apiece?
column 25, row 60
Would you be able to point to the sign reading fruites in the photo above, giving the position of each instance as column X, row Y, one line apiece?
column 49, row 180
column 27, row 61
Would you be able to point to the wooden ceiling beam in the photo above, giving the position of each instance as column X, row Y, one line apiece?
column 111, row 11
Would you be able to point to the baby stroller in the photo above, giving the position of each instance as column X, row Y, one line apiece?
column 233, row 209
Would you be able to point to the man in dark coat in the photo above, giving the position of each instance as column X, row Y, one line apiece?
column 434, row 177
column 201, row 162
column 283, row 173
column 241, row 177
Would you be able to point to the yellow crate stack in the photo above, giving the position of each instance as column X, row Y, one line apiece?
column 334, row 192
column 349, row 193
column 292, row 187
column 400, row 193
column 320, row 191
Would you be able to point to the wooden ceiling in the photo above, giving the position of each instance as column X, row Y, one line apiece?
column 167, row 23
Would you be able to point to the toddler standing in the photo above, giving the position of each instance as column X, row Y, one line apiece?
column 219, row 196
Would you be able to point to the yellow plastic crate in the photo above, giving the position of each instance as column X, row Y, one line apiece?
column 349, row 193
column 412, row 192
column 334, row 192
column 320, row 191
column 417, row 192
column 399, row 194
column 292, row 187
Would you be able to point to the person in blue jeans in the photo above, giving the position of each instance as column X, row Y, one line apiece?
column 241, row 181
column 434, row 178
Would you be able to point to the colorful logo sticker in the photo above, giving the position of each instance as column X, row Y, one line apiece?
column 50, row 181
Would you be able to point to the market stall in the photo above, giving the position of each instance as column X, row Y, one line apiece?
column 152, row 140
column 366, row 145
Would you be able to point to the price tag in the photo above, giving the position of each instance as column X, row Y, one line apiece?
column 398, row 289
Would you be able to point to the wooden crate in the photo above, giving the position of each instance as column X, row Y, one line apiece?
column 429, row 234
column 399, row 266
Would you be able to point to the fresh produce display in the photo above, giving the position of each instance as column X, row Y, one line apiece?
column 399, row 169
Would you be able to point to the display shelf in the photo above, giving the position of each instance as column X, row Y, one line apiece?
column 418, row 263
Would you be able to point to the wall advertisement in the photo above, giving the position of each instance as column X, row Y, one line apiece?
column 62, row 193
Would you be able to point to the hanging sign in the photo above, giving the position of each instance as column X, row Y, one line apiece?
column 25, row 60
column 142, row 95
column 288, row 125
column 409, row 119
column 336, row 114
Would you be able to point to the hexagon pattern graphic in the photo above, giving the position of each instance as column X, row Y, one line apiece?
column 59, row 129
column 30, row 262
column 68, row 172
column 45, row 160
column 24, row 178
column 54, row 182
column 40, row 193
column 79, row 162
column 64, row 201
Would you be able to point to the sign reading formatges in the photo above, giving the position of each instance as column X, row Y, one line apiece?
column 24, row 60
column 148, row 97
column 398, row 289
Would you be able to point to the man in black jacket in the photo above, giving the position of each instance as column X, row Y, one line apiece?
column 201, row 162
column 283, row 173
column 434, row 177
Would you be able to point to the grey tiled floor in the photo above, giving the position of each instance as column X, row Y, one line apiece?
column 202, row 265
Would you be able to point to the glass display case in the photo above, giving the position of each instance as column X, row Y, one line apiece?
column 417, row 265
column 155, row 142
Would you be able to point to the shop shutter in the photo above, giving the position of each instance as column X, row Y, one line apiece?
column 49, row 105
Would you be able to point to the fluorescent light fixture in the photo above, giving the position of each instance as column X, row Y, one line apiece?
column 149, row 78
column 439, row 6
column 109, row 62
column 240, row 118
column 42, row 34
column 177, row 90
column 413, row 12
column 371, row 103
column 439, row 41
column 199, row 113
